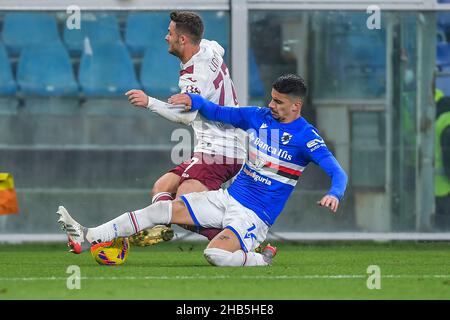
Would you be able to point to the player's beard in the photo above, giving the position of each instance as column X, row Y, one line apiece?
column 173, row 50
column 174, row 53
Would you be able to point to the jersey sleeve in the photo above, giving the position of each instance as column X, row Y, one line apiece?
column 339, row 178
column 237, row 117
column 193, row 81
column 315, row 150
column 169, row 112
column 313, row 146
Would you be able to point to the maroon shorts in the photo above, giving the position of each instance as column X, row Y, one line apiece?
column 211, row 170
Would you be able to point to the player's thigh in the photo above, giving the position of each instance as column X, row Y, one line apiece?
column 169, row 182
column 206, row 208
column 247, row 227
column 189, row 186
column 180, row 213
column 225, row 240
column 204, row 173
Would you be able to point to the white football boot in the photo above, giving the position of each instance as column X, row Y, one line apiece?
column 76, row 233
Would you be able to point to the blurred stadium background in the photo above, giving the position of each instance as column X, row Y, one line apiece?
column 68, row 135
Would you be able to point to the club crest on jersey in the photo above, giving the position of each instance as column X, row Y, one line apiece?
column 286, row 138
column 192, row 89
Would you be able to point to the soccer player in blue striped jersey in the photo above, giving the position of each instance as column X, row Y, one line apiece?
column 281, row 144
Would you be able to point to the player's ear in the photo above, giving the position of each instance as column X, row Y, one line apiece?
column 183, row 39
column 297, row 105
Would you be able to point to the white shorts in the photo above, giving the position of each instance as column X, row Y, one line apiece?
column 217, row 209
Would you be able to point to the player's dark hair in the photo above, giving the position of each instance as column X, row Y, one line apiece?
column 188, row 23
column 291, row 84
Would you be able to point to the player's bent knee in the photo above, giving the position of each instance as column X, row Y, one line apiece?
column 156, row 188
column 168, row 183
column 218, row 257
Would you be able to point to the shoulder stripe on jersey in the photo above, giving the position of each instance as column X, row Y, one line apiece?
column 188, row 70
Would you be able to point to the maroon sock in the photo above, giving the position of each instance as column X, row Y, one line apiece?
column 210, row 233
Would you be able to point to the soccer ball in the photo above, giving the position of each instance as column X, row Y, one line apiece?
column 113, row 252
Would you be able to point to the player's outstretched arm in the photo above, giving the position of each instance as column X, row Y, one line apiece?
column 338, row 183
column 138, row 98
column 237, row 117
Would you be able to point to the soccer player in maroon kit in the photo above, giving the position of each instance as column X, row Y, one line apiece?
column 219, row 152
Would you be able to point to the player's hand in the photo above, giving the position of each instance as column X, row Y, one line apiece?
column 181, row 98
column 330, row 202
column 137, row 98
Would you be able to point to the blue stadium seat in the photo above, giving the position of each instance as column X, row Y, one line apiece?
column 7, row 83
column 160, row 72
column 97, row 27
column 146, row 29
column 22, row 29
column 365, row 49
column 443, row 19
column 363, row 59
column 46, row 70
column 441, row 36
column 443, row 55
column 255, row 85
column 107, row 70
column 217, row 26
column 443, row 81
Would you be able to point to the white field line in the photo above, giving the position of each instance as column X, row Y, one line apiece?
column 293, row 236
column 222, row 277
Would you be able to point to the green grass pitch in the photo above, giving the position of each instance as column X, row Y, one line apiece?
column 177, row 270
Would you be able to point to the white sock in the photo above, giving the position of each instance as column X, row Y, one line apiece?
column 132, row 222
column 239, row 258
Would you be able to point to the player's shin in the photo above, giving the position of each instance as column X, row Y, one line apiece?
column 132, row 222
column 239, row 258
